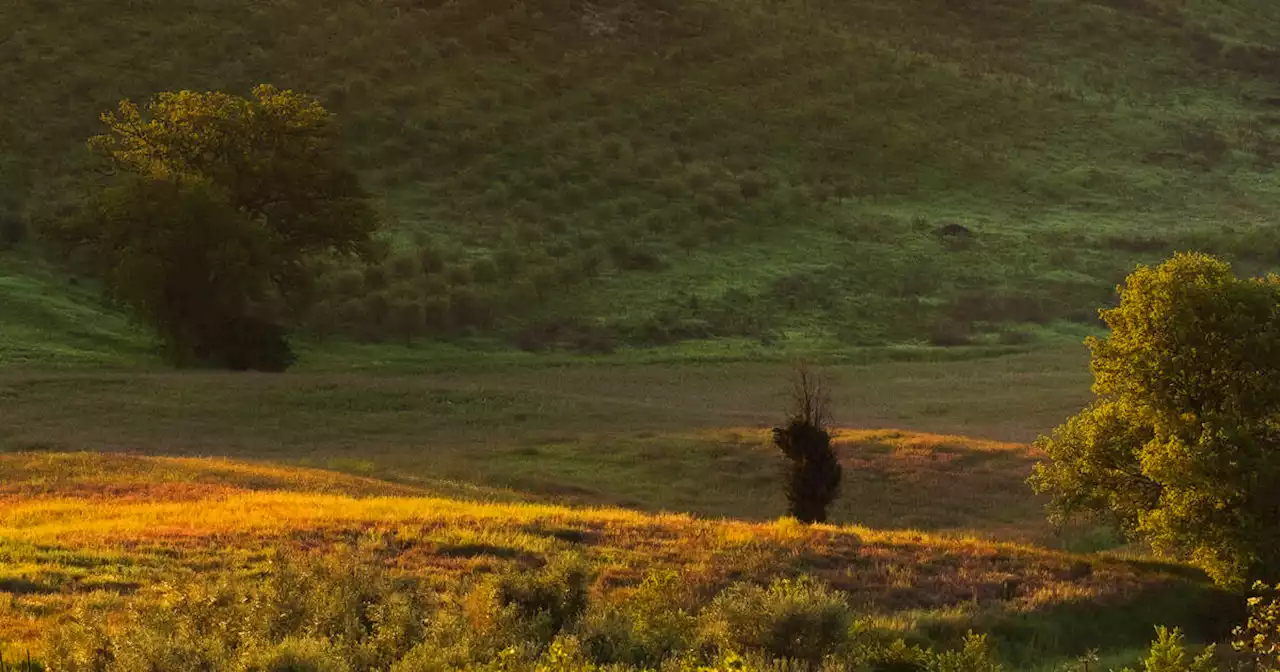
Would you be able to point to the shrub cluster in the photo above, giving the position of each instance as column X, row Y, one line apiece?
column 344, row 614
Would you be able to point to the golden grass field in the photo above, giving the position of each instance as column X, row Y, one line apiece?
column 116, row 483
column 107, row 528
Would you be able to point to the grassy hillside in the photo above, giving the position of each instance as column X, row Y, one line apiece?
column 76, row 539
column 575, row 174
column 46, row 321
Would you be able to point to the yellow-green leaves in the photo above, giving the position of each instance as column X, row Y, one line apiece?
column 1182, row 446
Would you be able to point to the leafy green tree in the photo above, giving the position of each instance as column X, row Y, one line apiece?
column 219, row 204
column 1181, row 447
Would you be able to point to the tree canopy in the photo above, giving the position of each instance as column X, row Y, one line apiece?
column 1181, row 447
column 218, row 204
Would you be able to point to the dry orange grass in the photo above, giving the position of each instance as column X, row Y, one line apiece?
column 943, row 482
column 63, row 538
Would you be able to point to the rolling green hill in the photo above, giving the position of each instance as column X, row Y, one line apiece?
column 575, row 174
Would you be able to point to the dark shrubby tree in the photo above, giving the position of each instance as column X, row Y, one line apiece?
column 219, row 203
column 1181, row 448
column 13, row 230
column 813, row 477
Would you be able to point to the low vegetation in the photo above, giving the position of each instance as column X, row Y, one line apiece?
column 228, row 563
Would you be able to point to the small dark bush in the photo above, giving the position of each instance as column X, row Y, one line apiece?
column 430, row 260
column 1016, row 337
column 485, row 271
column 13, row 231
column 509, row 261
column 377, row 308
column 813, row 477
column 403, row 267
column 631, row 256
column 407, row 320
column 598, row 340
column 470, row 308
column 244, row 344
column 999, row 306
column 349, row 283
column 375, row 278
column 1136, row 243
column 436, row 315
column 805, row 290
column 950, row 334
column 458, row 275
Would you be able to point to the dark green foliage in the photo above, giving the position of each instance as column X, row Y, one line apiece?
column 407, row 319
column 950, row 333
column 199, row 280
column 586, row 338
column 219, row 205
column 430, row 259
column 1179, row 447
column 485, row 271
column 376, row 278
column 814, row 473
column 458, row 275
column 13, row 230
column 631, row 256
column 404, row 267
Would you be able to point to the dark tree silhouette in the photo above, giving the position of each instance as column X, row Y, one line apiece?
column 813, row 475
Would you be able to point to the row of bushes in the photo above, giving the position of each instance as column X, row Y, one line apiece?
column 344, row 614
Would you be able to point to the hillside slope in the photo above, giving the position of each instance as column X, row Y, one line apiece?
column 584, row 173
column 47, row 321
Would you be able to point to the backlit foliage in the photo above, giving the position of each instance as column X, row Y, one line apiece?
column 1180, row 445
column 1259, row 637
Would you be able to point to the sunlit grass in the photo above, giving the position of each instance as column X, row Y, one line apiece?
column 68, row 542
